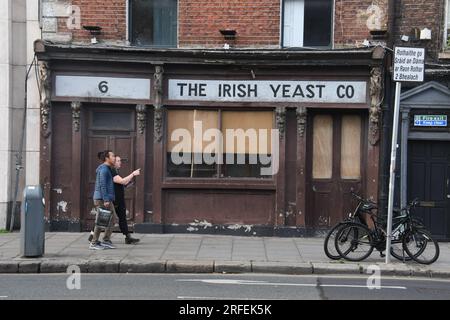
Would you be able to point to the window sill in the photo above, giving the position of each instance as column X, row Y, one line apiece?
column 445, row 55
column 199, row 183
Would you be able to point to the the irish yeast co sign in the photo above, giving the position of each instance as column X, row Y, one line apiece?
column 268, row 91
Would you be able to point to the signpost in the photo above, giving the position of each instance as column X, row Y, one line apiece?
column 409, row 66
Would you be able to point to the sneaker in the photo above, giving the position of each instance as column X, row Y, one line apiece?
column 96, row 246
column 131, row 240
column 107, row 244
column 91, row 236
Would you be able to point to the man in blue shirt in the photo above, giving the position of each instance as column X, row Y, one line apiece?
column 103, row 197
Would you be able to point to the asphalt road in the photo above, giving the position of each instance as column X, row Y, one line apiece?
column 216, row 287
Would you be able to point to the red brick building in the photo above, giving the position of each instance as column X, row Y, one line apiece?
column 144, row 68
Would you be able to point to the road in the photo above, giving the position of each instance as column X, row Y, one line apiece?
column 216, row 287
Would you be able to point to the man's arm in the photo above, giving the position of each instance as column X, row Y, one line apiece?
column 102, row 179
column 118, row 179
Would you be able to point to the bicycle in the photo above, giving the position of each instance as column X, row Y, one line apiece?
column 355, row 237
column 364, row 206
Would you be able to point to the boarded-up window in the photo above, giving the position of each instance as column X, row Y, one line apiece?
column 322, row 147
column 181, row 127
column 251, row 124
column 351, row 147
column 249, row 140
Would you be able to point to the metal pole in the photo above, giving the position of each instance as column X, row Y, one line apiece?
column 19, row 155
column 398, row 89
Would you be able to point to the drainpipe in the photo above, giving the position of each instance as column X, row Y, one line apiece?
column 386, row 109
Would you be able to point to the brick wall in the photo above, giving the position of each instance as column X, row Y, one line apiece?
column 257, row 22
column 355, row 18
column 421, row 14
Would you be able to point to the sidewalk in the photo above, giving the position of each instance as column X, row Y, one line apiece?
column 188, row 253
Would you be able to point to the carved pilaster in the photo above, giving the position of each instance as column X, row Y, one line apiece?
column 158, row 124
column 76, row 111
column 141, row 117
column 281, row 120
column 301, row 120
column 45, row 92
column 376, row 94
column 158, row 113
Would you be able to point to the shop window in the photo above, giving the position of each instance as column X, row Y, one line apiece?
column 351, row 147
column 322, row 147
column 447, row 26
column 307, row 23
column 240, row 145
column 153, row 23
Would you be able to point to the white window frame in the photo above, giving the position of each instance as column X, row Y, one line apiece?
column 333, row 17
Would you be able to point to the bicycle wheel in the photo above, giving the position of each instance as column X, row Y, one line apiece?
column 329, row 246
column 420, row 246
column 399, row 253
column 354, row 242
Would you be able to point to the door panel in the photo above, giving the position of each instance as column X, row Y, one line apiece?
column 428, row 180
column 120, row 138
column 335, row 144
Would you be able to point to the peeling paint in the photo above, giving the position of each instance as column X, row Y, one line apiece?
column 175, row 224
column 205, row 224
column 190, row 229
column 62, row 205
column 58, row 190
column 248, row 228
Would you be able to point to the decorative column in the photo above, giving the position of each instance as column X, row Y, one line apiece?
column 45, row 139
column 75, row 207
column 158, row 147
column 373, row 148
column 45, row 94
column 280, row 209
column 302, row 114
column 141, row 119
column 376, row 98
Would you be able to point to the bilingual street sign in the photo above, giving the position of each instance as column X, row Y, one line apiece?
column 430, row 120
column 409, row 64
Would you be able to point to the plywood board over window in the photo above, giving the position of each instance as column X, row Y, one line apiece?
column 322, row 147
column 256, row 122
column 184, row 119
column 351, row 147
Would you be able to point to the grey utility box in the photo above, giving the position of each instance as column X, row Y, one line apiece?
column 32, row 230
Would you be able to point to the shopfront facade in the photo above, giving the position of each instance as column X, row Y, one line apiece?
column 309, row 123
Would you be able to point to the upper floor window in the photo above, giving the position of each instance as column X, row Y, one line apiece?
column 307, row 23
column 447, row 26
column 153, row 23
